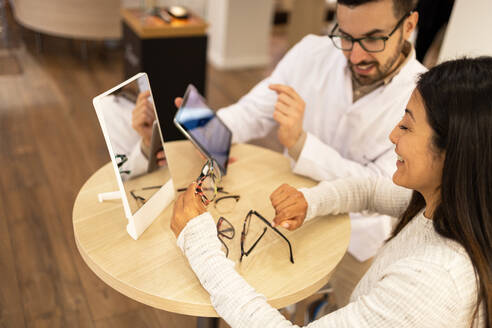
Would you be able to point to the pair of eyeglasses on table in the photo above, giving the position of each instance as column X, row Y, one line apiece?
column 249, row 240
column 223, row 205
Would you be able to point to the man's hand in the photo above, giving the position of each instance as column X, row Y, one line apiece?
column 143, row 116
column 161, row 158
column 289, row 113
column 187, row 206
column 290, row 207
column 178, row 101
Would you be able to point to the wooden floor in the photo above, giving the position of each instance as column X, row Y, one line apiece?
column 50, row 143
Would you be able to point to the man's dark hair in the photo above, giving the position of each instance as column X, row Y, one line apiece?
column 400, row 7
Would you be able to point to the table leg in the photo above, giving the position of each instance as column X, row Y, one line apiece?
column 208, row 322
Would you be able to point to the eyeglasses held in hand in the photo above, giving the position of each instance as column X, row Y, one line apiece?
column 207, row 182
column 225, row 230
column 249, row 242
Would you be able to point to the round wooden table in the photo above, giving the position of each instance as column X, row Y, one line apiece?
column 153, row 270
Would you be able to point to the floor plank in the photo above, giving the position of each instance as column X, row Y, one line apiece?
column 50, row 143
column 147, row 317
column 11, row 314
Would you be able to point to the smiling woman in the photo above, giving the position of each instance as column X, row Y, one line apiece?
column 435, row 271
column 457, row 97
column 420, row 163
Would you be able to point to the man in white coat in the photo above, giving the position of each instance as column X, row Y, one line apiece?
column 334, row 101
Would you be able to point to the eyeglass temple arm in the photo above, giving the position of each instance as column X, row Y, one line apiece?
column 136, row 197
column 278, row 232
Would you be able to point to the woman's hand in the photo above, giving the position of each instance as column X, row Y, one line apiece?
column 290, row 207
column 187, row 206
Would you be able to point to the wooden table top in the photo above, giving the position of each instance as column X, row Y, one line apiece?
column 147, row 26
column 153, row 269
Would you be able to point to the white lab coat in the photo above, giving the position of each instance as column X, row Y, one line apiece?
column 343, row 138
column 117, row 112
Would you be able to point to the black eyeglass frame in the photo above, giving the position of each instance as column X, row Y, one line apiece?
column 244, row 232
column 373, row 38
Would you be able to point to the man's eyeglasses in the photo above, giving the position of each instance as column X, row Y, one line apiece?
column 249, row 241
column 368, row 43
column 225, row 230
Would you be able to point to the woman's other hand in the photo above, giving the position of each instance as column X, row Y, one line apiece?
column 290, row 207
column 186, row 207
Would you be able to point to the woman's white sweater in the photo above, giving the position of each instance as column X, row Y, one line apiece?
column 418, row 279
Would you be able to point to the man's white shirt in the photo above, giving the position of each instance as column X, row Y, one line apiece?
column 344, row 138
column 117, row 112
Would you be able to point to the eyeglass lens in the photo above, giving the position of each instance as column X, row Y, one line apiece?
column 368, row 44
column 208, row 188
column 207, row 182
column 225, row 230
column 249, row 240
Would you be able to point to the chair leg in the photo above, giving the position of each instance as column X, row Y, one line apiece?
column 84, row 52
column 291, row 311
column 39, row 42
column 4, row 29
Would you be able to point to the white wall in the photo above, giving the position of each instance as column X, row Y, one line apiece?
column 469, row 30
column 239, row 32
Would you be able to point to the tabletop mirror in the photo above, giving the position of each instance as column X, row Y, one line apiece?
column 130, row 125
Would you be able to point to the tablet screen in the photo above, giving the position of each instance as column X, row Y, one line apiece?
column 200, row 124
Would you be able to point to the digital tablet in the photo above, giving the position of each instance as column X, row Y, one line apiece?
column 203, row 128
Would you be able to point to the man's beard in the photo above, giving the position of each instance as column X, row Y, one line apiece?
column 381, row 70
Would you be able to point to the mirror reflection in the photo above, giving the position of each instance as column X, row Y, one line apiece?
column 136, row 140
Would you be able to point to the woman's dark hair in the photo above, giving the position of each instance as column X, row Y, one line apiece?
column 457, row 97
column 400, row 7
